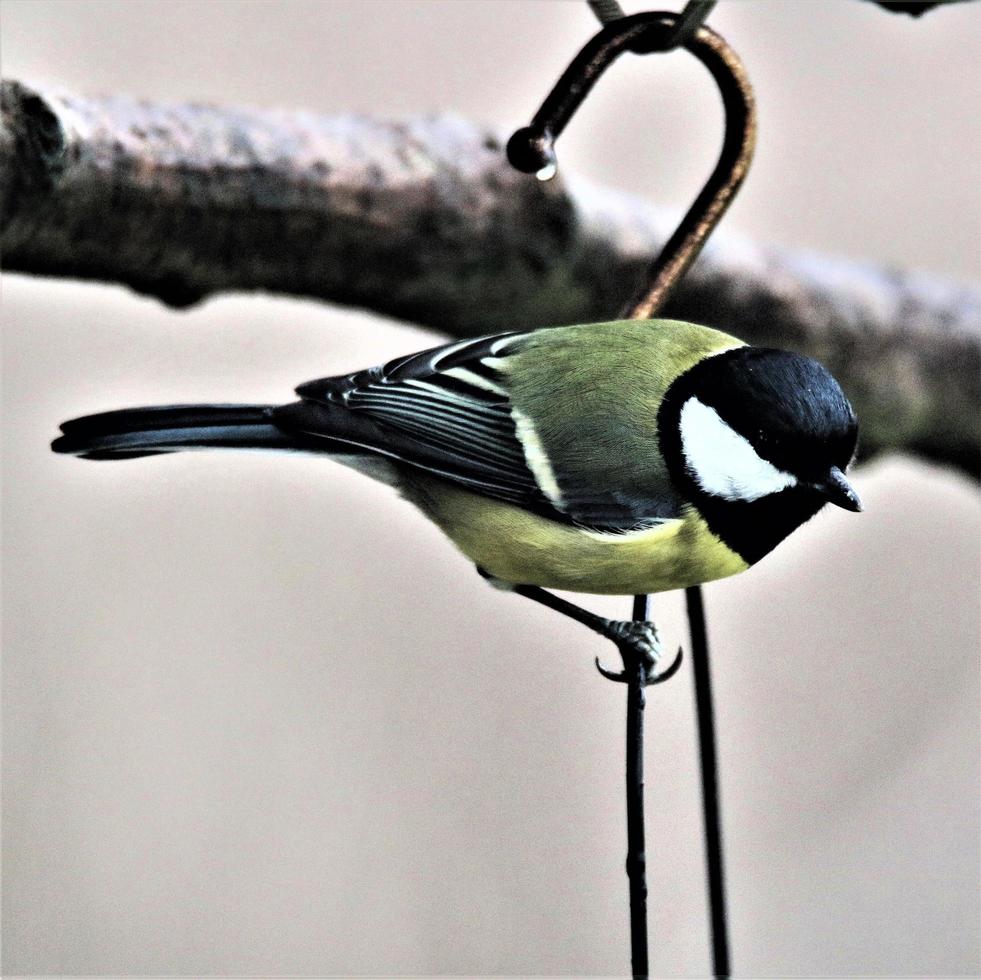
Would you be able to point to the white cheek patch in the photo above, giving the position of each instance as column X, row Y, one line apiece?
column 722, row 461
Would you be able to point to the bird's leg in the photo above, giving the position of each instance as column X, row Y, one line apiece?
column 637, row 640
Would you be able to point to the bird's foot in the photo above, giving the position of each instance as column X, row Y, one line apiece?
column 640, row 648
column 637, row 640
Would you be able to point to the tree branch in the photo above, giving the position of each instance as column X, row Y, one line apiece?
column 425, row 221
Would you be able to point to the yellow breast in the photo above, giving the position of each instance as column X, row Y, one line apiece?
column 523, row 548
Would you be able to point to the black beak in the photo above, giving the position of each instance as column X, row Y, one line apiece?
column 839, row 491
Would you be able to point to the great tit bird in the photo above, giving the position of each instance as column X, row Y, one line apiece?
column 620, row 458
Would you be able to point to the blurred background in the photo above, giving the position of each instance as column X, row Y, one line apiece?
column 259, row 718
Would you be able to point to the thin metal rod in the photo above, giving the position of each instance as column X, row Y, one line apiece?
column 606, row 10
column 715, row 866
column 636, row 843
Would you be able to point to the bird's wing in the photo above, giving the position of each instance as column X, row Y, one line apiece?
column 447, row 411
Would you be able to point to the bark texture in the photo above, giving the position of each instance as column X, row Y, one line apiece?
column 424, row 220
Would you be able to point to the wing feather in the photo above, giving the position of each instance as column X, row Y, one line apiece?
column 439, row 410
column 447, row 411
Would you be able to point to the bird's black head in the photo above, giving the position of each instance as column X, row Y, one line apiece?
column 759, row 441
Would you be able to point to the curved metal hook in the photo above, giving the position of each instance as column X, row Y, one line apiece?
column 532, row 148
column 689, row 20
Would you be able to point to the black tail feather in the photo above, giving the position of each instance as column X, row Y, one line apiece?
column 134, row 432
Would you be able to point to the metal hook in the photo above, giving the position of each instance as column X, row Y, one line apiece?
column 606, row 10
column 689, row 20
column 532, row 148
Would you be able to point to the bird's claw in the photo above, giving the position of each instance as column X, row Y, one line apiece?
column 611, row 675
column 650, row 677
column 639, row 644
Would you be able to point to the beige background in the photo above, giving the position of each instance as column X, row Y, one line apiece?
column 260, row 718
